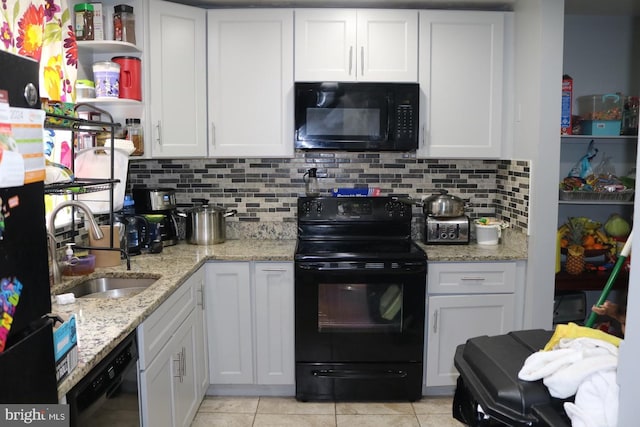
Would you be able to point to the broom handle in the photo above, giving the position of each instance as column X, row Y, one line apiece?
column 626, row 249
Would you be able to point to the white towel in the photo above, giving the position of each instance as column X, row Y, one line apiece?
column 596, row 402
column 588, row 345
column 582, row 366
column 569, row 363
column 544, row 363
column 564, row 382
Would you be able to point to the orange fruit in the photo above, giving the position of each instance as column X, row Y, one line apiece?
column 588, row 240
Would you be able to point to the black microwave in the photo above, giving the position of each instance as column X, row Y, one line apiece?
column 356, row 116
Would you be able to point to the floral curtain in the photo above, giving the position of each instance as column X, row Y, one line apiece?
column 42, row 30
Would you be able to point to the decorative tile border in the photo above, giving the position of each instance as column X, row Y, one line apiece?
column 265, row 191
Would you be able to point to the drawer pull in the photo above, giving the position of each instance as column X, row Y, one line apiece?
column 474, row 278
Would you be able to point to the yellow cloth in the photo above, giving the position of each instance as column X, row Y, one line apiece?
column 573, row 330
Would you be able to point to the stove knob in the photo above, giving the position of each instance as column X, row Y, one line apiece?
column 394, row 208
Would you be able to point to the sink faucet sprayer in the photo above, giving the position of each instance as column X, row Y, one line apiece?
column 94, row 227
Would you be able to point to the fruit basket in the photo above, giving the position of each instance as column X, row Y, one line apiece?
column 619, row 196
column 591, row 253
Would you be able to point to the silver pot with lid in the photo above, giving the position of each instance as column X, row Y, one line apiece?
column 206, row 224
column 443, row 205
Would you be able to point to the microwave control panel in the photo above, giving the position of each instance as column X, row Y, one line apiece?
column 404, row 121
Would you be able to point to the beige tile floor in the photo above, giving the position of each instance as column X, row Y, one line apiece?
column 286, row 411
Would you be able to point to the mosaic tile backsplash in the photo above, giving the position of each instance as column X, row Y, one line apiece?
column 265, row 191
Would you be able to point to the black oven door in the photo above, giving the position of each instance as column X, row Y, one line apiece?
column 360, row 312
column 359, row 331
column 356, row 116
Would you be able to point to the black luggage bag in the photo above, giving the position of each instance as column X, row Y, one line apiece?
column 489, row 393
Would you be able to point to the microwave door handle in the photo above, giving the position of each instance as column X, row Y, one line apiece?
column 389, row 106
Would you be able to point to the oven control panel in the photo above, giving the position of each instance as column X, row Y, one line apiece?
column 353, row 209
column 310, row 208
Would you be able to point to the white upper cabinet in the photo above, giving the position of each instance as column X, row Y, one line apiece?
column 356, row 45
column 250, row 68
column 177, row 99
column 462, row 83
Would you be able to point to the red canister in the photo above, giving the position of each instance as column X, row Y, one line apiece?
column 130, row 77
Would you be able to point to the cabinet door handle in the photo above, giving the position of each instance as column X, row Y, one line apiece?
column 213, row 135
column 435, row 322
column 178, row 368
column 350, row 59
column 362, row 60
column 201, row 292
column 474, row 278
column 184, row 362
column 159, row 132
column 423, row 142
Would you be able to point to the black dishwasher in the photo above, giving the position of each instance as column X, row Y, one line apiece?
column 108, row 394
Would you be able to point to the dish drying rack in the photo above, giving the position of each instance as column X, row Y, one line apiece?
column 87, row 185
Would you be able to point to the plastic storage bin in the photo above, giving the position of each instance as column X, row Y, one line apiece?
column 601, row 114
column 601, row 127
column 85, row 89
column 130, row 77
column 95, row 162
column 106, row 75
column 81, row 266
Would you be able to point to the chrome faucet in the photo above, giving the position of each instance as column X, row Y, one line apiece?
column 94, row 227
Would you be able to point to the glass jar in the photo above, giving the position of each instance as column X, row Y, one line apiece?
column 84, row 21
column 124, row 24
column 312, row 188
column 135, row 134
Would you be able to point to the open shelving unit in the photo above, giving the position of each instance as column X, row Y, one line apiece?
column 620, row 148
column 87, row 185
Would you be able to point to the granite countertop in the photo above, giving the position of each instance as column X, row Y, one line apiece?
column 103, row 323
column 513, row 247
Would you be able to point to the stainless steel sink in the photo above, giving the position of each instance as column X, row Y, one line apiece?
column 111, row 287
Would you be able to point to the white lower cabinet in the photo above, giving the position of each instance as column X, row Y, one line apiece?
column 274, row 323
column 249, row 312
column 169, row 382
column 465, row 300
column 172, row 358
column 228, row 313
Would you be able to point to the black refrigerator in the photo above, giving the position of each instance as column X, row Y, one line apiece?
column 27, row 364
